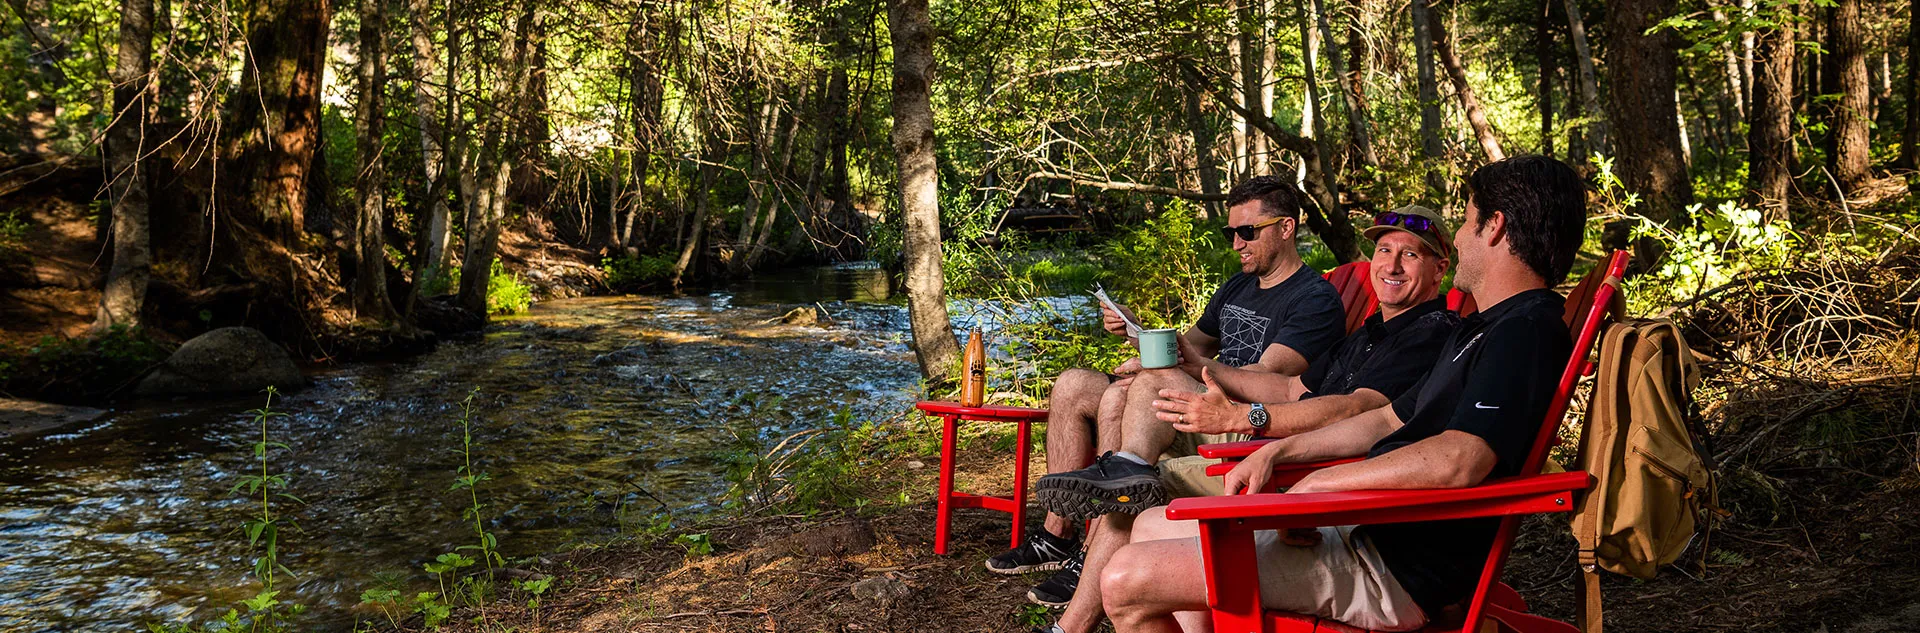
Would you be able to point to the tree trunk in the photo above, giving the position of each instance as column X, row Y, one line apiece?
column 1910, row 137
column 1848, row 153
column 1543, row 51
column 1242, row 131
column 124, row 296
column 495, row 168
column 1356, row 114
column 1254, row 61
column 1652, row 162
column 1597, row 136
column 1735, row 93
column 644, row 86
column 45, row 56
column 370, row 302
column 702, row 199
column 1203, row 140
column 437, row 229
column 1335, row 229
column 933, row 340
column 275, row 125
column 1430, row 145
column 1476, row 116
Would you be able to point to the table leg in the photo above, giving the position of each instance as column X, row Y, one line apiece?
column 1020, row 485
column 949, row 429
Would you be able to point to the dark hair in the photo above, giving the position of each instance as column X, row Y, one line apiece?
column 1545, row 203
column 1278, row 198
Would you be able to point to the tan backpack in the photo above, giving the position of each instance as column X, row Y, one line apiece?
column 1650, row 481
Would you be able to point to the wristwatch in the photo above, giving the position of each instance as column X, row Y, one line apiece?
column 1257, row 418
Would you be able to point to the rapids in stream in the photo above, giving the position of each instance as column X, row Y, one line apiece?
column 590, row 415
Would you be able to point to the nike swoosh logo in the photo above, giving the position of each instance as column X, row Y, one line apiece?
column 1477, row 405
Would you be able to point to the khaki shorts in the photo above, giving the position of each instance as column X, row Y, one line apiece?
column 1342, row 579
column 1184, row 471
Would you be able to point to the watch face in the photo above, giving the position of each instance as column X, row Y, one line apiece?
column 1257, row 416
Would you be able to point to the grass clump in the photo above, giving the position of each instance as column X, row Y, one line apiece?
column 77, row 370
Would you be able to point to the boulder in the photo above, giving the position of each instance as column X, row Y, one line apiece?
column 227, row 360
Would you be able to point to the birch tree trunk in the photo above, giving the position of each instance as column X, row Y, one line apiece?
column 1357, row 127
column 1597, row 136
column 494, row 170
column 370, row 302
column 933, row 340
column 124, row 296
column 702, row 200
column 434, row 158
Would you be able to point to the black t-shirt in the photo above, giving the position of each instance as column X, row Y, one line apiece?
column 1303, row 313
column 1387, row 356
column 1495, row 379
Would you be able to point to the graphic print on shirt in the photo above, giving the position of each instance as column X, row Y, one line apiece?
column 1243, row 335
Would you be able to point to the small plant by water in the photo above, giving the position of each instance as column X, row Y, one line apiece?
column 265, row 612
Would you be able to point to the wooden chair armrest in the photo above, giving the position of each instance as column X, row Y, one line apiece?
column 1232, row 450
column 983, row 413
column 1528, row 494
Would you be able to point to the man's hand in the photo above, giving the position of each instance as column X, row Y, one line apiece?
column 1114, row 322
column 1193, row 360
column 1129, row 368
column 1251, row 474
column 1209, row 412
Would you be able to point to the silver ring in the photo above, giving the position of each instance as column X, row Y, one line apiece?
column 1183, row 418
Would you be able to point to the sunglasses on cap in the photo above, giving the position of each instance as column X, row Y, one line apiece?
column 1248, row 232
column 1406, row 221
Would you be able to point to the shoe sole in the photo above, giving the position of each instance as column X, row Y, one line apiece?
column 1081, row 500
column 1015, row 571
column 1035, row 598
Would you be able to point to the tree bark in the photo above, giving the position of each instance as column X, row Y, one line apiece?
column 1910, row 137
column 1203, row 141
column 275, row 125
column 1254, row 61
column 702, row 199
column 431, row 260
column 1735, row 93
column 1543, row 51
column 495, row 168
column 1430, row 145
column 644, row 86
column 913, row 143
column 46, row 54
column 1476, row 116
column 124, row 296
column 1848, row 153
column 370, row 302
column 1357, row 126
column 1597, row 137
column 1652, row 162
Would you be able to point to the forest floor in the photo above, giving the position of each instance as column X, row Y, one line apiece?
column 1847, row 561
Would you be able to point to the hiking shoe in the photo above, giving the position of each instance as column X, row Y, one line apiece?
column 1111, row 484
column 1042, row 551
column 1057, row 590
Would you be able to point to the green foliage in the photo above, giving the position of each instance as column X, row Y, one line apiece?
column 1167, row 269
column 628, row 274
column 13, row 233
column 697, row 545
column 63, row 369
column 843, row 463
column 505, row 293
column 1717, row 247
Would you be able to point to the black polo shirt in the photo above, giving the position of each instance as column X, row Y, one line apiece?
column 1495, row 379
column 1387, row 356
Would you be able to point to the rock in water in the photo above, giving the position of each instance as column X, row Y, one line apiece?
column 227, row 360
column 801, row 316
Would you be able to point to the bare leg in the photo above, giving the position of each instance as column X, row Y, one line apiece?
column 1142, row 433
column 1147, row 582
column 1113, row 406
column 1110, row 533
column 1071, row 414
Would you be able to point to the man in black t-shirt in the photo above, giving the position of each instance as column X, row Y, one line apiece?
column 1473, row 417
column 1263, row 324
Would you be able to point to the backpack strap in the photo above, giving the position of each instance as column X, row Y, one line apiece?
column 1588, row 604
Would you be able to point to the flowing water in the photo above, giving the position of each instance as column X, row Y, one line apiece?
column 588, row 413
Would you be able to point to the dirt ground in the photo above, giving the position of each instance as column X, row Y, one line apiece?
column 1848, row 561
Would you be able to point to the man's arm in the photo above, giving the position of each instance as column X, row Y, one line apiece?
column 1203, row 345
column 1278, row 366
column 1212, row 412
column 1346, row 438
column 1452, row 459
column 1317, row 412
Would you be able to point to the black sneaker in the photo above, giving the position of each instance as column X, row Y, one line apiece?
column 1111, row 484
column 1042, row 551
column 1057, row 590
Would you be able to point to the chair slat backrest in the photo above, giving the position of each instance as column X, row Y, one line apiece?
column 1588, row 307
column 1461, row 302
column 1353, row 282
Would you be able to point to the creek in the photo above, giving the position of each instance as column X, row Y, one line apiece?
column 590, row 415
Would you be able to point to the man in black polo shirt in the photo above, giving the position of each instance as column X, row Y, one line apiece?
column 1366, row 370
column 1473, row 417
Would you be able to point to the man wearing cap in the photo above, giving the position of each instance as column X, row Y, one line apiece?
column 1366, row 370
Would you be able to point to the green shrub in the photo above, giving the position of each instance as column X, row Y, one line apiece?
column 632, row 273
column 13, row 232
column 505, row 293
column 1167, row 269
column 79, row 369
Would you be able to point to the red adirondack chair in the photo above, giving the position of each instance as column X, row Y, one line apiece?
column 1227, row 523
column 1353, row 282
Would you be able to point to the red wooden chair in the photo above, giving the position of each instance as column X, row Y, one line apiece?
column 1461, row 302
column 1355, row 284
column 1227, row 523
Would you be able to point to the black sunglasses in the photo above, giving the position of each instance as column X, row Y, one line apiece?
column 1405, row 221
column 1248, row 232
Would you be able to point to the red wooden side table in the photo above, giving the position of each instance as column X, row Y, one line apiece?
column 951, row 413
